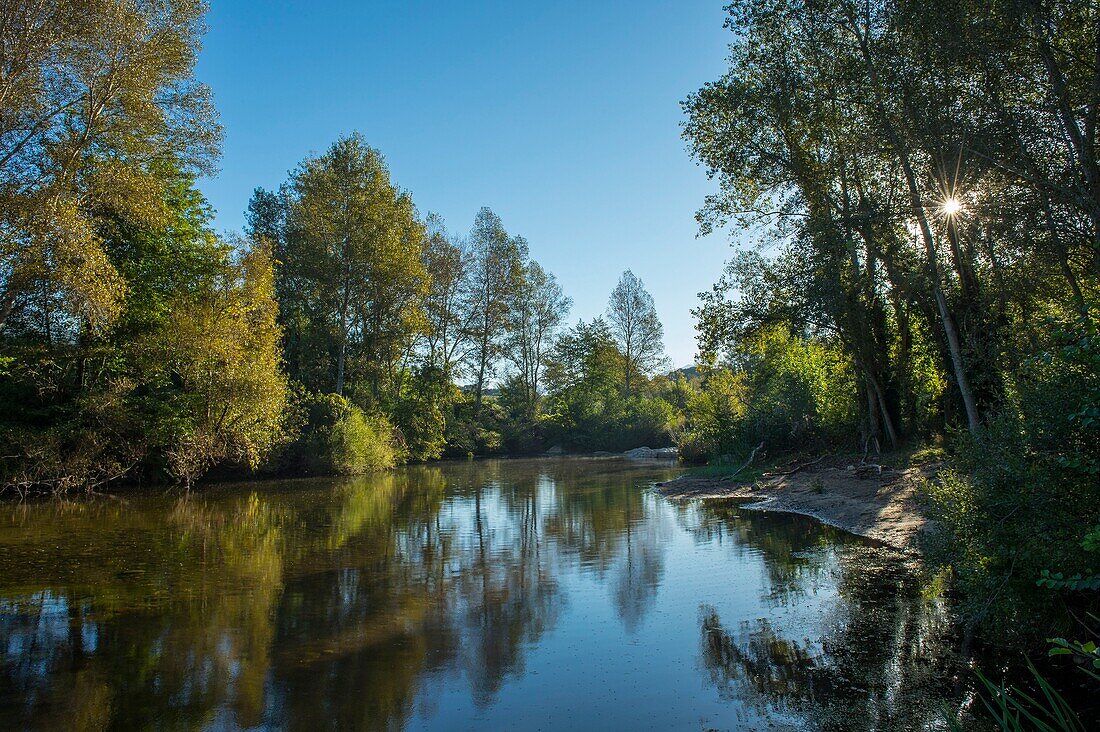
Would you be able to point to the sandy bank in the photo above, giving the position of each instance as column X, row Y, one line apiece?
column 883, row 506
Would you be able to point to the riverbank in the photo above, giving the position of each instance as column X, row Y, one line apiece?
column 881, row 505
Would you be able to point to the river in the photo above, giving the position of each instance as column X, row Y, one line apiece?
column 507, row 594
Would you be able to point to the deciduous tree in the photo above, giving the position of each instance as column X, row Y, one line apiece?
column 353, row 277
column 95, row 97
column 636, row 328
column 496, row 263
column 538, row 307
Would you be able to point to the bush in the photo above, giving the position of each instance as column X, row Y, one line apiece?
column 164, row 396
column 420, row 413
column 361, row 443
column 480, row 433
column 787, row 392
column 717, row 412
column 648, row 421
column 1030, row 496
column 336, row 436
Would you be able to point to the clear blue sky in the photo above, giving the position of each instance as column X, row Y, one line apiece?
column 563, row 117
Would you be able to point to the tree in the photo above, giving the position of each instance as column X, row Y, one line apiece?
column 352, row 277
column 95, row 96
column 447, row 264
column 921, row 186
column 585, row 405
column 815, row 161
column 496, row 262
column 583, row 383
column 538, row 307
column 221, row 354
column 636, row 328
column 197, row 339
column 188, row 376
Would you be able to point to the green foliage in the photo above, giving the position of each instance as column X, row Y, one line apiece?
column 96, row 97
column 1058, row 581
column 1014, row 710
column 476, row 431
column 336, row 436
column 1087, row 653
column 872, row 151
column 361, row 443
column 495, row 276
column 715, row 415
column 784, row 391
column 352, row 279
column 388, row 311
column 1025, row 504
column 587, row 407
column 927, row 454
column 189, row 376
column 420, row 413
column 632, row 318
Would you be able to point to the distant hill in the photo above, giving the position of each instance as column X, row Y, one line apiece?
column 486, row 392
column 691, row 373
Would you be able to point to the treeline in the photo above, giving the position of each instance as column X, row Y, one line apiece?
column 129, row 334
column 344, row 332
column 923, row 185
column 385, row 314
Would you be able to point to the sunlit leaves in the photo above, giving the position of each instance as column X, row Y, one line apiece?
column 95, row 95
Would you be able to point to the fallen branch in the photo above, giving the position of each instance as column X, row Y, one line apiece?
column 795, row 469
column 864, row 470
column 747, row 463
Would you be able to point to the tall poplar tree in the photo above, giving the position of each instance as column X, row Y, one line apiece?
column 496, row 264
column 636, row 328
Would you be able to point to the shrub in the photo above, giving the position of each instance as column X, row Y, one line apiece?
column 717, row 411
column 420, row 413
column 361, row 443
column 1030, row 495
column 787, row 392
column 336, row 436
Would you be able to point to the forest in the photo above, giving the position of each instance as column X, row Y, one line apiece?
column 344, row 332
column 912, row 188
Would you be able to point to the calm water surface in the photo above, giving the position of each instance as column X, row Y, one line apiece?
column 525, row 594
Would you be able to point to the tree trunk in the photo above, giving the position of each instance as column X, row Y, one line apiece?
column 482, row 366
column 887, row 420
column 7, row 303
column 874, row 427
column 949, row 327
column 340, row 358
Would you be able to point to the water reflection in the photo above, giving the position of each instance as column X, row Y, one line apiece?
column 884, row 649
column 473, row 594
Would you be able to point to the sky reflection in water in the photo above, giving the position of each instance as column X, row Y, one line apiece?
column 487, row 595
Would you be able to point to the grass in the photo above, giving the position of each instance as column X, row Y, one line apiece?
column 1013, row 710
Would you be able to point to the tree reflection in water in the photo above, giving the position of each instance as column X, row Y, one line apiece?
column 423, row 597
column 883, row 654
